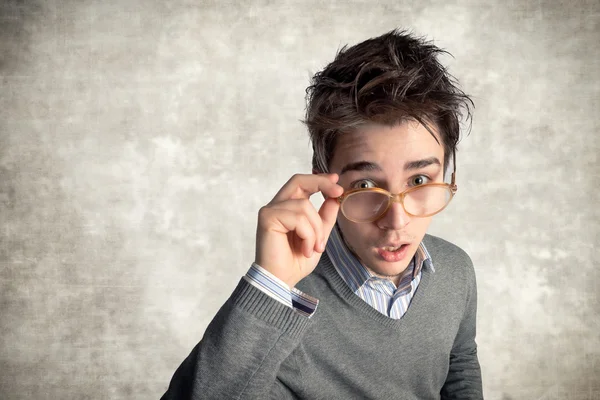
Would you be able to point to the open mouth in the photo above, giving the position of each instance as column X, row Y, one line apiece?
column 393, row 254
column 393, row 248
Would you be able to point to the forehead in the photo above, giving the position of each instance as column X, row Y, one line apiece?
column 387, row 146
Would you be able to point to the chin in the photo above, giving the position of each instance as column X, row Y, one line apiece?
column 388, row 269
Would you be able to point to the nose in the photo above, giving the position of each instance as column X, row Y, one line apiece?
column 395, row 218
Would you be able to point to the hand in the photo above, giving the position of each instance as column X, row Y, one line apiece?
column 291, row 234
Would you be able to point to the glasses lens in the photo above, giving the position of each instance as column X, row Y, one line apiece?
column 364, row 206
column 427, row 200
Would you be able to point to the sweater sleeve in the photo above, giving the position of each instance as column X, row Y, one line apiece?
column 464, row 374
column 241, row 351
column 277, row 289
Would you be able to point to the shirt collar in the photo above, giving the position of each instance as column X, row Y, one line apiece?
column 353, row 272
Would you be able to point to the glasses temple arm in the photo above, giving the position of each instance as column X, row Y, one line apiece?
column 453, row 181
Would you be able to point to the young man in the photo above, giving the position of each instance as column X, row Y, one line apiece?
column 355, row 301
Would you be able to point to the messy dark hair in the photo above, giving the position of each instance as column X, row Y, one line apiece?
column 387, row 80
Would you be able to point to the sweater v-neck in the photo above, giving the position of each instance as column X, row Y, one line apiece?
column 341, row 288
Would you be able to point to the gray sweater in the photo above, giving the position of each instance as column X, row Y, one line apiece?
column 257, row 348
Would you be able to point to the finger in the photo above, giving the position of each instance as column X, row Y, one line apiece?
column 291, row 221
column 302, row 186
column 305, row 207
column 328, row 213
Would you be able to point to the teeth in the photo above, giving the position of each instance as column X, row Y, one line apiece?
column 391, row 248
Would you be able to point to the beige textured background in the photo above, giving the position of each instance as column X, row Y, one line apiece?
column 139, row 138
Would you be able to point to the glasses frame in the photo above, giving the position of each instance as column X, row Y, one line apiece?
column 399, row 197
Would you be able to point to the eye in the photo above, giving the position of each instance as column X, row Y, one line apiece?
column 363, row 184
column 419, row 180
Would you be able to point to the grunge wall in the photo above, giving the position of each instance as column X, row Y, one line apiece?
column 138, row 140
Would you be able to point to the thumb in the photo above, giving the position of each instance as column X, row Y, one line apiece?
column 328, row 212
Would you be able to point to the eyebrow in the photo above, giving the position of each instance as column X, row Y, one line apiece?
column 360, row 166
column 371, row 166
column 418, row 164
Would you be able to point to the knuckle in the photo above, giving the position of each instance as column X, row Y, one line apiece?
column 306, row 205
column 295, row 178
column 303, row 219
column 264, row 212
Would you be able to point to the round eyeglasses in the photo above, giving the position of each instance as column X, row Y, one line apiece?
column 368, row 205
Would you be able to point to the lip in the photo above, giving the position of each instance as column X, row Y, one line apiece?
column 393, row 256
column 391, row 244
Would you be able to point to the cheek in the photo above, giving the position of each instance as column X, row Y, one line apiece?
column 420, row 226
column 356, row 235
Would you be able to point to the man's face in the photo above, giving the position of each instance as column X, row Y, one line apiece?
column 380, row 156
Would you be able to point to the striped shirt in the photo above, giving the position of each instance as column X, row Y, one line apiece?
column 379, row 293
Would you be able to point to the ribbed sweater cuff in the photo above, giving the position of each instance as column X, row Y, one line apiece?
column 262, row 306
